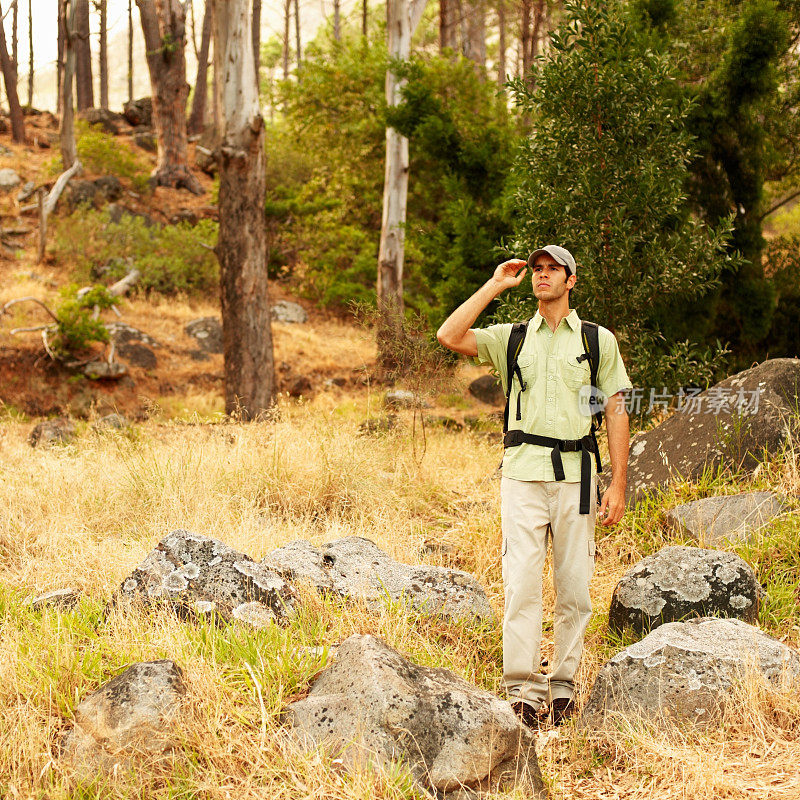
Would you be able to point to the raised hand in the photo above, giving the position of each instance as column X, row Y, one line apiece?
column 506, row 274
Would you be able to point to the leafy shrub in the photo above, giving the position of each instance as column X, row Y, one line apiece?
column 172, row 258
column 104, row 154
column 76, row 328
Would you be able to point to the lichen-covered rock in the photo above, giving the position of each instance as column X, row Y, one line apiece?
column 374, row 705
column 731, row 423
column 287, row 312
column 403, row 398
column 196, row 575
column 59, row 430
column 732, row 518
column 207, row 332
column 678, row 583
column 129, row 718
column 688, row 671
column 356, row 568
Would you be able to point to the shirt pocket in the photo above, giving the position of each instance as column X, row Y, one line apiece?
column 527, row 366
column 576, row 373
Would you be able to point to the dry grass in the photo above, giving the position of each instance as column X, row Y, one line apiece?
column 86, row 514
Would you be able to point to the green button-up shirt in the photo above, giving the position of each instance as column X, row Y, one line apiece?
column 553, row 375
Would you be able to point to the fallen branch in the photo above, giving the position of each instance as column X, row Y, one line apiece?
column 46, row 206
column 10, row 303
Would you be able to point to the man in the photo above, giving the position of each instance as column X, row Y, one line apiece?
column 555, row 376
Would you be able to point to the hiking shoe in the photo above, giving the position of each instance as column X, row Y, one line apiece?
column 561, row 709
column 528, row 714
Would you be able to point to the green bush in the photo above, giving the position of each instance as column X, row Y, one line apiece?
column 171, row 259
column 104, row 154
column 76, row 328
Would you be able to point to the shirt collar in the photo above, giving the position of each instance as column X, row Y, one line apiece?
column 571, row 318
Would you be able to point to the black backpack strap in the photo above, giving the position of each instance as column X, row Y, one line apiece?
column 515, row 341
column 591, row 346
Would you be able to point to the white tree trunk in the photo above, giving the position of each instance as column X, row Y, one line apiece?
column 403, row 16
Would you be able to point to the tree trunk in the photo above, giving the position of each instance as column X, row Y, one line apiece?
column 536, row 33
column 163, row 24
column 501, row 52
column 287, row 11
column 297, row 35
column 337, row 32
column 364, row 18
column 69, row 151
column 241, row 248
column 10, row 80
column 14, row 41
column 526, row 37
column 257, row 41
column 402, row 18
column 30, row 53
column 130, row 51
column 62, row 26
column 475, row 44
column 197, row 118
column 448, row 33
column 190, row 6
column 84, row 91
column 102, row 7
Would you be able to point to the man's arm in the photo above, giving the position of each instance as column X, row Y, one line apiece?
column 455, row 333
column 612, row 506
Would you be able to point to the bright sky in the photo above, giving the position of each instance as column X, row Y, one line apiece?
column 45, row 30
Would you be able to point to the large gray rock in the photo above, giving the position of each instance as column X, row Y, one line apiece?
column 357, row 569
column 139, row 112
column 9, row 179
column 678, row 583
column 197, row 575
column 487, row 389
column 403, row 398
column 62, row 599
column 288, row 312
column 374, row 705
column 720, row 426
column 732, row 518
column 207, row 332
column 59, row 430
column 689, row 671
column 110, row 121
column 130, row 718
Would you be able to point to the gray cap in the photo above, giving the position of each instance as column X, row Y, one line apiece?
column 560, row 254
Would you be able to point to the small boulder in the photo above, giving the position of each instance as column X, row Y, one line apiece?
column 111, row 422
column 117, row 212
column 9, row 179
column 357, row 569
column 62, row 599
column 378, row 425
column 145, row 140
column 196, row 575
column 108, row 187
column 123, row 334
column 682, row 582
column 109, row 121
column 287, row 312
column 373, row 705
column 80, row 192
column 207, row 332
column 487, row 390
column 26, row 192
column 59, row 430
column 402, row 398
column 104, row 371
column 687, row 671
column 138, row 355
column 732, row 518
column 128, row 719
column 301, row 387
column 139, row 112
column 446, row 423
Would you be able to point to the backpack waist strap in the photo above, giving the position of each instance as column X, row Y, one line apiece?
column 586, row 446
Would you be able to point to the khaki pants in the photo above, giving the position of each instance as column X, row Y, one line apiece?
column 528, row 508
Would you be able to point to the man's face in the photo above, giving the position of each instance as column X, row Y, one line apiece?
column 549, row 279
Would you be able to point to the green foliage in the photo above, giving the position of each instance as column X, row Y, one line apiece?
column 326, row 168
column 171, row 259
column 104, row 154
column 603, row 173
column 77, row 328
column 735, row 61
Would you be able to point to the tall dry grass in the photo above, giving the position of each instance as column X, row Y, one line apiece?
column 86, row 514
